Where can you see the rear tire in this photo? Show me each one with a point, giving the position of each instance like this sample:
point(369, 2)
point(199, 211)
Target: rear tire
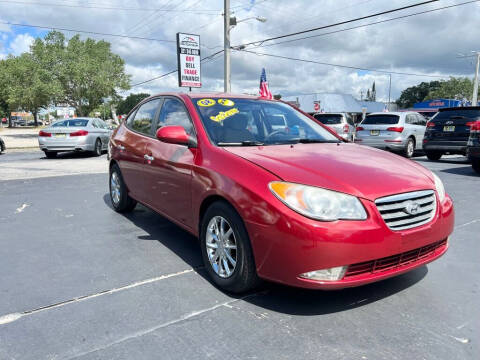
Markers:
point(409, 148)
point(119, 197)
point(476, 165)
point(51, 154)
point(97, 150)
point(433, 155)
point(243, 276)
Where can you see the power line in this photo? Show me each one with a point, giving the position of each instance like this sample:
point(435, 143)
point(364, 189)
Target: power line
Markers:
point(365, 25)
point(209, 57)
point(205, 12)
point(341, 66)
point(338, 23)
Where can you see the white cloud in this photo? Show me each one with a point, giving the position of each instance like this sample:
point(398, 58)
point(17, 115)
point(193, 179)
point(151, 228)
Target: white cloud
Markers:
point(21, 44)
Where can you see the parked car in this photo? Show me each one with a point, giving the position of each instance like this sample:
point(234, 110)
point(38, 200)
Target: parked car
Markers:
point(79, 134)
point(32, 123)
point(449, 130)
point(401, 132)
point(473, 145)
point(342, 123)
point(310, 211)
point(2, 146)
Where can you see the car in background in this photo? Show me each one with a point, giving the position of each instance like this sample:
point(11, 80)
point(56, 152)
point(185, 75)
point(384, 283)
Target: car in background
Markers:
point(2, 146)
point(473, 146)
point(400, 132)
point(78, 134)
point(303, 208)
point(449, 130)
point(342, 123)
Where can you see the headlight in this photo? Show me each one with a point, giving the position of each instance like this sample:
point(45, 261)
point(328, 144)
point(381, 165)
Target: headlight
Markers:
point(318, 203)
point(440, 188)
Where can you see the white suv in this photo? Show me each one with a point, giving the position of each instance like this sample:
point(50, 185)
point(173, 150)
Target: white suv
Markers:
point(397, 131)
point(342, 123)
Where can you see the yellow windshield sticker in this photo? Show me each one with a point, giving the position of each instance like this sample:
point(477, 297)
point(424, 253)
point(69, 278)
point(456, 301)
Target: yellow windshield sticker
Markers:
point(226, 102)
point(206, 102)
point(222, 115)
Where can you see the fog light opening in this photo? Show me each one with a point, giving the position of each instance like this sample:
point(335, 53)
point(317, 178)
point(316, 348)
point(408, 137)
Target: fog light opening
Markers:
point(331, 274)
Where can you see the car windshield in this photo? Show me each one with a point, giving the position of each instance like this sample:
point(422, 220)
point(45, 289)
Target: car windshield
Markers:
point(328, 119)
point(249, 122)
point(381, 120)
point(71, 123)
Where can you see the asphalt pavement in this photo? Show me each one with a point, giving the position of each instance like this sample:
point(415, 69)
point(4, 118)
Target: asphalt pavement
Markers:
point(79, 281)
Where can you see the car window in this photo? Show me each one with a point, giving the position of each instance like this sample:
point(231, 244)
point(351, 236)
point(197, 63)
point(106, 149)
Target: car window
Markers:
point(467, 113)
point(71, 123)
point(246, 122)
point(142, 122)
point(410, 119)
point(381, 120)
point(173, 112)
point(95, 123)
point(328, 119)
point(421, 120)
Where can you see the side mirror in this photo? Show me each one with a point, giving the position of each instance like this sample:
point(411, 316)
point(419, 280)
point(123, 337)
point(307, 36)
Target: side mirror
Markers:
point(174, 134)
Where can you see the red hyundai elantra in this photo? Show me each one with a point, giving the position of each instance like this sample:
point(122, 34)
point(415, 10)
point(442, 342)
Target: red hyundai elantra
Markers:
point(273, 194)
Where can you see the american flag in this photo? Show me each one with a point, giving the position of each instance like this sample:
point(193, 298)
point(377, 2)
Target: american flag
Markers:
point(264, 91)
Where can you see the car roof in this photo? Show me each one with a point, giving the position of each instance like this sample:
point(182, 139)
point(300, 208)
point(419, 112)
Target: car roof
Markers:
point(201, 95)
point(331, 113)
point(398, 113)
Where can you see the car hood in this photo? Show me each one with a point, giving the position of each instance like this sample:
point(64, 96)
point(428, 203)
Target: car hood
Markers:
point(345, 167)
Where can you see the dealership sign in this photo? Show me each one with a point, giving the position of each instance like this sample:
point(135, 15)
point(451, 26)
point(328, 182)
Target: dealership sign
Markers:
point(188, 59)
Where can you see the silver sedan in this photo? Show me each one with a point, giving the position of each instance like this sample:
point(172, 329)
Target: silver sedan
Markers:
point(78, 134)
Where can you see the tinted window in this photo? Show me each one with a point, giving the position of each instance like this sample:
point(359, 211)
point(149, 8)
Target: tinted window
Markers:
point(247, 122)
point(467, 113)
point(329, 119)
point(72, 122)
point(381, 120)
point(421, 120)
point(142, 122)
point(174, 113)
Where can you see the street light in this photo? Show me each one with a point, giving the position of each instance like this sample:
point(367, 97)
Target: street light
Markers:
point(229, 23)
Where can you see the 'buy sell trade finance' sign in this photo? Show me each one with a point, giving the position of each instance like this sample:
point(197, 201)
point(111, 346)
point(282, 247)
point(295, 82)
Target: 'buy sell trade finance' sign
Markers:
point(188, 56)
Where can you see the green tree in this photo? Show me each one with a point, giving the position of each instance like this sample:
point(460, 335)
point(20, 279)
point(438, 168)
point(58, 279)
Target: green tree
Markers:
point(126, 105)
point(87, 70)
point(104, 109)
point(454, 88)
point(416, 93)
point(29, 86)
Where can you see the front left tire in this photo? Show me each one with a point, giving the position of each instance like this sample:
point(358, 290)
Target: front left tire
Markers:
point(476, 165)
point(226, 249)
point(119, 197)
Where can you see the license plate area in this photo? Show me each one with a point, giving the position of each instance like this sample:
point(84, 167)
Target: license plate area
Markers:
point(449, 128)
point(374, 132)
point(60, 135)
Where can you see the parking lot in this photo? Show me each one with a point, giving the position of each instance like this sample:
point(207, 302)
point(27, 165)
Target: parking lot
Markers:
point(80, 281)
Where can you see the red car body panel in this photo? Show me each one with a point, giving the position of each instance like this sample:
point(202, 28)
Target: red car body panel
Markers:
point(181, 181)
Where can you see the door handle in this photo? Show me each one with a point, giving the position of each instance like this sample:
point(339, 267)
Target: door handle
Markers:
point(148, 157)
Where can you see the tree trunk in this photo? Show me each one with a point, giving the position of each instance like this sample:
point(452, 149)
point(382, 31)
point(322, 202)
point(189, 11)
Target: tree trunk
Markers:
point(10, 125)
point(35, 118)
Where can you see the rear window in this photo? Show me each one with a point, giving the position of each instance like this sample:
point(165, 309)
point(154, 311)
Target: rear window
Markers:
point(71, 123)
point(460, 113)
point(328, 119)
point(381, 120)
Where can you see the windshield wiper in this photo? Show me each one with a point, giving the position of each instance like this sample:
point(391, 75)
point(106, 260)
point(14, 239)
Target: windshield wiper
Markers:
point(241, 143)
point(313, 141)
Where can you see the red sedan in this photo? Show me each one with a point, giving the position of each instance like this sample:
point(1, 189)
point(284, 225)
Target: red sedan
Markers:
point(273, 194)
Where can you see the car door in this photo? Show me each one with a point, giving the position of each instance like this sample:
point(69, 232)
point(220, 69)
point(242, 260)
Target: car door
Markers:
point(105, 133)
point(169, 174)
point(421, 125)
point(131, 141)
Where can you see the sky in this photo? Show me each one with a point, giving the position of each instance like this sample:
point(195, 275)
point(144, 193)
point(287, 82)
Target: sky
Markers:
point(424, 44)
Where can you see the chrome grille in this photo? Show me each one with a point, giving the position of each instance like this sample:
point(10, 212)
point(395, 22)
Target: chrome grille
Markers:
point(407, 210)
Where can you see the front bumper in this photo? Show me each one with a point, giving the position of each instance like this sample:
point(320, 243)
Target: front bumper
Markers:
point(295, 245)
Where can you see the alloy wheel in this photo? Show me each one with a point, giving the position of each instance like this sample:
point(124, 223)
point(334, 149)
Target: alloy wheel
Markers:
point(115, 188)
point(221, 246)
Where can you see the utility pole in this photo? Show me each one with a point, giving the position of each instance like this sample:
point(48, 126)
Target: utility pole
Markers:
point(475, 82)
point(226, 53)
point(389, 89)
